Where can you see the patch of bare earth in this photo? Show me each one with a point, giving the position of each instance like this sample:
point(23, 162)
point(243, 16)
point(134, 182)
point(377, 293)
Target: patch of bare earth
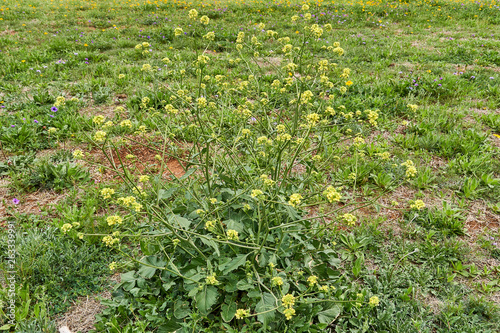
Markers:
point(107, 111)
point(144, 160)
point(32, 203)
point(480, 219)
point(81, 315)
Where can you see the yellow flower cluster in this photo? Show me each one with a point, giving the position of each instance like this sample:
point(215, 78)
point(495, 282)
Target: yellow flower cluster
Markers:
point(312, 119)
point(232, 235)
point(178, 31)
point(204, 19)
point(131, 202)
point(110, 240)
point(276, 281)
point(100, 136)
point(242, 313)
point(267, 181)
point(193, 14)
point(418, 204)
point(295, 199)
point(372, 117)
point(332, 194)
point(66, 227)
point(78, 154)
point(374, 301)
point(413, 107)
point(288, 302)
point(98, 120)
point(211, 279)
point(143, 178)
point(349, 219)
point(411, 170)
point(107, 193)
point(210, 36)
point(210, 225)
point(264, 140)
point(126, 123)
point(289, 313)
point(312, 280)
point(60, 100)
point(114, 219)
point(256, 193)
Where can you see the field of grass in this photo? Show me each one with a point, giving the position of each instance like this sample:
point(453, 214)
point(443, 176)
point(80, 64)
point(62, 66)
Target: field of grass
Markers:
point(249, 166)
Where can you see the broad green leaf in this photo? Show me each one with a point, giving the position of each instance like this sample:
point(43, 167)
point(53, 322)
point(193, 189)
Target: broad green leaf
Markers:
point(228, 312)
point(179, 220)
point(212, 244)
point(181, 309)
point(266, 303)
point(5, 327)
point(329, 316)
point(235, 263)
point(166, 194)
point(128, 277)
point(188, 173)
point(206, 298)
point(171, 326)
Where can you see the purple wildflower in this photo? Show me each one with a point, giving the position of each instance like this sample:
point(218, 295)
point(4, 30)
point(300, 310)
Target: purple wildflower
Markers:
point(53, 109)
point(15, 201)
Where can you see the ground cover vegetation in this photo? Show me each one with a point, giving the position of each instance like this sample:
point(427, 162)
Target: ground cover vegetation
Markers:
point(251, 166)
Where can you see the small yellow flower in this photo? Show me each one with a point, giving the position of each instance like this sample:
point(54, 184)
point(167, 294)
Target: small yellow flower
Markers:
point(211, 279)
point(295, 199)
point(374, 301)
point(213, 201)
point(78, 154)
point(418, 204)
point(66, 227)
point(349, 219)
point(256, 193)
point(143, 178)
point(110, 240)
point(146, 68)
point(107, 193)
point(232, 235)
point(121, 76)
point(288, 300)
point(313, 279)
point(413, 107)
point(332, 194)
point(98, 120)
point(193, 14)
point(100, 136)
point(114, 219)
point(313, 118)
point(210, 225)
point(289, 313)
point(242, 313)
point(411, 171)
point(348, 83)
point(204, 19)
point(113, 266)
point(276, 281)
point(323, 288)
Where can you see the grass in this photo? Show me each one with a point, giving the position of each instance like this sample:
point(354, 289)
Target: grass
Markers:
point(95, 95)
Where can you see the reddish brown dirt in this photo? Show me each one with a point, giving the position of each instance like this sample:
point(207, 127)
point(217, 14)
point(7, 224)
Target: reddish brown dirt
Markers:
point(144, 160)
